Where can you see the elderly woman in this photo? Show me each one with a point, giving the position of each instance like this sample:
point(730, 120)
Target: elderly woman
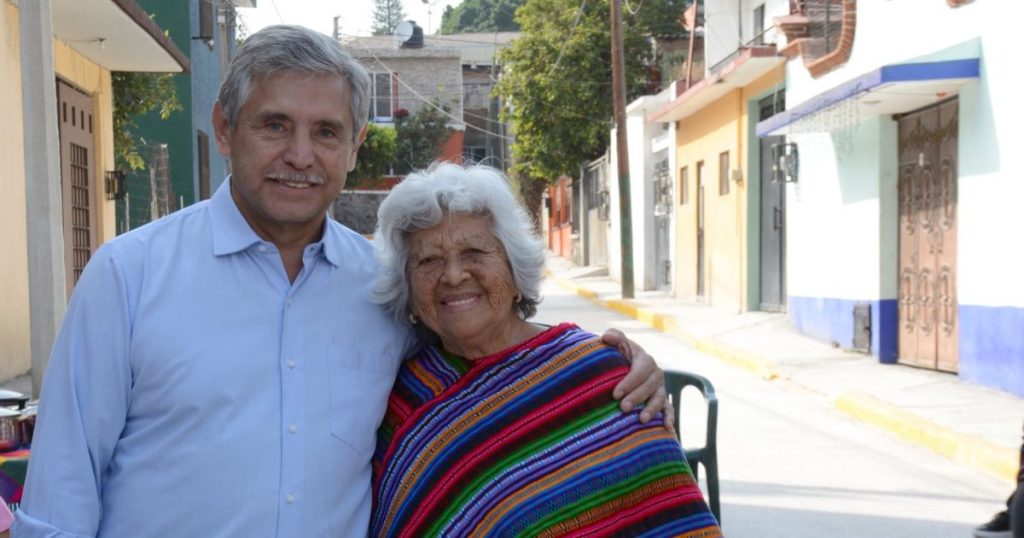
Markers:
point(501, 426)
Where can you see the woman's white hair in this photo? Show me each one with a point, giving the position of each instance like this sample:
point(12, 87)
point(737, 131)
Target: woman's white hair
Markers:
point(424, 198)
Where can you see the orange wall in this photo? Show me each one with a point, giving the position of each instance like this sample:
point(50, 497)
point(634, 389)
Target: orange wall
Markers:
point(722, 126)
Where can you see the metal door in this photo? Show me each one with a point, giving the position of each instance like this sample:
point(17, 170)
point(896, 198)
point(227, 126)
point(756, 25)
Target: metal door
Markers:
point(662, 215)
point(78, 184)
point(595, 179)
point(773, 215)
point(927, 216)
point(773, 233)
point(700, 229)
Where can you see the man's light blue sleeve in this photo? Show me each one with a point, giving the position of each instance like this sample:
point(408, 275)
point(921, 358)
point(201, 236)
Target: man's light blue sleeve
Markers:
point(82, 410)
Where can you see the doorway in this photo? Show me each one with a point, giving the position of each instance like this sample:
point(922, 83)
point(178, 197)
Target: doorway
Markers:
point(77, 178)
point(929, 325)
point(773, 216)
point(700, 230)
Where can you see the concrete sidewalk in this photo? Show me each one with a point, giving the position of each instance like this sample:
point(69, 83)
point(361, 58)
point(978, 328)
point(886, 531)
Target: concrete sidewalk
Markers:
point(970, 424)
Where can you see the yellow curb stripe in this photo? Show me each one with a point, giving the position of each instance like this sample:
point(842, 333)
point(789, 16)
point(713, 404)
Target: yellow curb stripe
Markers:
point(667, 324)
point(967, 449)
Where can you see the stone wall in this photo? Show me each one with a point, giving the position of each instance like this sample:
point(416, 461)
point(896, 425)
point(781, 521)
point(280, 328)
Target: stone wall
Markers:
point(358, 209)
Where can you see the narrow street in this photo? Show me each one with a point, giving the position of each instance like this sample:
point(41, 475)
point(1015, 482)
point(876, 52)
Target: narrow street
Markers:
point(791, 466)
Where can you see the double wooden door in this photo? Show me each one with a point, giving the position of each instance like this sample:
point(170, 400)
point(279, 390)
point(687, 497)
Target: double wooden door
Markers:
point(929, 326)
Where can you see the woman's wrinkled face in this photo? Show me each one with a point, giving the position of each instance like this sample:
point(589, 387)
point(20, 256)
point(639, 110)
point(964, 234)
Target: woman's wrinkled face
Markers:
point(461, 284)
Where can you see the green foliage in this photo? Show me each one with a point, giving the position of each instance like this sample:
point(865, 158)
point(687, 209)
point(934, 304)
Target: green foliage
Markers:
point(387, 15)
point(376, 155)
point(136, 94)
point(481, 16)
point(419, 138)
point(558, 82)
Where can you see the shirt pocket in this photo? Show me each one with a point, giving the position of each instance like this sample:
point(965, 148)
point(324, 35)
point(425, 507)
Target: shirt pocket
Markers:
point(359, 382)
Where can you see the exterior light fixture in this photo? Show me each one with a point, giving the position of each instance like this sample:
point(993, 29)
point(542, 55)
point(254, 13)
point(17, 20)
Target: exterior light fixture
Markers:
point(785, 162)
point(114, 183)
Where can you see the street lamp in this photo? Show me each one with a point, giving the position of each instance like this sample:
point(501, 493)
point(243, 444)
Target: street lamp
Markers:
point(430, 7)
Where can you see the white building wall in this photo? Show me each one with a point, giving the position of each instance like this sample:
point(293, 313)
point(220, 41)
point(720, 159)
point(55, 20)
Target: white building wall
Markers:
point(730, 25)
point(835, 215)
point(990, 167)
point(642, 158)
point(842, 215)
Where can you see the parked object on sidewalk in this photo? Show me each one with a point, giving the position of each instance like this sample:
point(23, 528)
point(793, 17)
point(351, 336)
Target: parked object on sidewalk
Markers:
point(10, 429)
point(998, 527)
point(10, 398)
point(706, 455)
point(1010, 522)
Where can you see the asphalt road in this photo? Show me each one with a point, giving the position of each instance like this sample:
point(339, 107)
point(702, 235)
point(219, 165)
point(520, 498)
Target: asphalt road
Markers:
point(791, 466)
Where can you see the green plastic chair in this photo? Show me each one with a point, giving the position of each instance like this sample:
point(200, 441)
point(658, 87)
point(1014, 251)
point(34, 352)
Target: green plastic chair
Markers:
point(706, 455)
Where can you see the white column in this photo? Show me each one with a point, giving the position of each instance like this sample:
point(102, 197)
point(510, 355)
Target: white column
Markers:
point(42, 183)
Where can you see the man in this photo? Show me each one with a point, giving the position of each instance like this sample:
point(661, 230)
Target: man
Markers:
point(221, 372)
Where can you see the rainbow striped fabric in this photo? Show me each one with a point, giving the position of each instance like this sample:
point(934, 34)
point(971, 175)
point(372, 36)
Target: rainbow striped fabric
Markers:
point(528, 442)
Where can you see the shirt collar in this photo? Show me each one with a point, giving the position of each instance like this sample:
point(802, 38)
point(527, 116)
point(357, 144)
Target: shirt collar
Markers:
point(232, 233)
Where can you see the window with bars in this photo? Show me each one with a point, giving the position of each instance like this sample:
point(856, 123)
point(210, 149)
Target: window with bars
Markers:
point(684, 185)
point(723, 173)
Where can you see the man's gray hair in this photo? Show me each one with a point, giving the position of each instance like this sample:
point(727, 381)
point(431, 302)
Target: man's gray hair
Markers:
point(292, 49)
point(424, 198)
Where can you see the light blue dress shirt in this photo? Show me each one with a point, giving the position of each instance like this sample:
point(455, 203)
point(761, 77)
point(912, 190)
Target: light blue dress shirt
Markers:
point(194, 391)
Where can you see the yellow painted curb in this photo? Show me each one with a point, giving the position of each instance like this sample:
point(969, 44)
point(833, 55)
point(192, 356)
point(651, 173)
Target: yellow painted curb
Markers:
point(667, 324)
point(738, 357)
point(971, 450)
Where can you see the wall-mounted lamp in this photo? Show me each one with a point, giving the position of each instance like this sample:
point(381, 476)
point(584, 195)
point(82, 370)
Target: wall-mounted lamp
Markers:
point(785, 163)
point(114, 183)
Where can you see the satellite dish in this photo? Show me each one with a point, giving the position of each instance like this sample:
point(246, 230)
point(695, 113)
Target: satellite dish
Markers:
point(403, 32)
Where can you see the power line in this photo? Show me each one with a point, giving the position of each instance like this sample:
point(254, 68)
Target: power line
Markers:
point(565, 45)
point(433, 105)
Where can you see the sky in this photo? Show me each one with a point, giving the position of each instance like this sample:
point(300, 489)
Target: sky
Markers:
point(356, 15)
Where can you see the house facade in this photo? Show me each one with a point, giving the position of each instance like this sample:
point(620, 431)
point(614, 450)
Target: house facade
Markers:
point(652, 158)
point(907, 182)
point(56, 60)
point(183, 164)
point(409, 73)
point(729, 247)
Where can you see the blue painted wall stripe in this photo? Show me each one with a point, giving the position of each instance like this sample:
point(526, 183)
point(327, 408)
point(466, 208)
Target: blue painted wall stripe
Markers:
point(831, 320)
point(992, 346)
point(889, 74)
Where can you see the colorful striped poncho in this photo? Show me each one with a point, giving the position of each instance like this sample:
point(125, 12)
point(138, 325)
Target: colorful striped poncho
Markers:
point(528, 442)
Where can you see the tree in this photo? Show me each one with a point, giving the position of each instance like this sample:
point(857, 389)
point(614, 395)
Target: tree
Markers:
point(387, 15)
point(481, 16)
point(376, 155)
point(419, 138)
point(557, 82)
point(136, 94)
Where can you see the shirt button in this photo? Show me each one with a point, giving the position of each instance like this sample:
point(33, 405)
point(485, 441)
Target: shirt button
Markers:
point(290, 498)
point(288, 302)
point(293, 428)
point(291, 363)
point(263, 248)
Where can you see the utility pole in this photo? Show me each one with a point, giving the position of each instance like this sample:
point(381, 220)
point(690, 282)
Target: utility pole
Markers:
point(622, 151)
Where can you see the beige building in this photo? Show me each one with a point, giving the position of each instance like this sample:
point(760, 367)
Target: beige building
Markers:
point(56, 59)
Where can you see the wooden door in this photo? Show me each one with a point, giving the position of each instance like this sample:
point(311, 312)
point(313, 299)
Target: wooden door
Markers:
point(928, 335)
point(77, 177)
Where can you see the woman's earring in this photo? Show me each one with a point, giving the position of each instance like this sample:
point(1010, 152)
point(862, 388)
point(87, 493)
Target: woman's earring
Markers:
point(518, 298)
point(413, 319)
